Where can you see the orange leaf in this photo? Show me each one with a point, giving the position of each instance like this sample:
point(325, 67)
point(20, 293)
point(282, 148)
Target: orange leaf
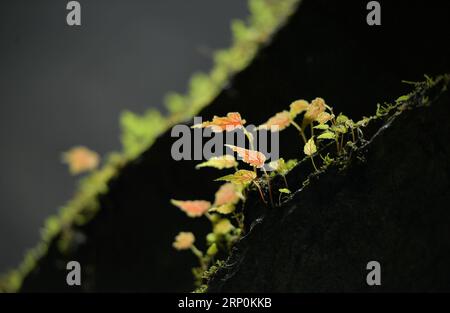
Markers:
point(324, 117)
point(252, 157)
point(81, 159)
point(184, 241)
point(317, 107)
point(194, 208)
point(298, 107)
point(227, 194)
point(281, 120)
point(218, 124)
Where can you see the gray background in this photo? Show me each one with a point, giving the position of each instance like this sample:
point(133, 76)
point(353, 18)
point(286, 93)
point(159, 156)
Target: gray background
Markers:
point(62, 86)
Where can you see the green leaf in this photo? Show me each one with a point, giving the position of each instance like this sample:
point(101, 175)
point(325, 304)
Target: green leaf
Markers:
point(284, 190)
point(402, 98)
point(224, 209)
point(211, 238)
point(339, 129)
point(226, 161)
point(322, 126)
point(212, 250)
point(327, 159)
point(310, 147)
point(241, 177)
point(327, 135)
point(341, 119)
point(222, 227)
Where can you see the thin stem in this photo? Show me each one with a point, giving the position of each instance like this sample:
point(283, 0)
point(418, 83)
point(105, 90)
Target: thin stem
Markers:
point(260, 192)
point(314, 164)
point(197, 252)
point(312, 129)
point(300, 130)
point(285, 181)
point(200, 257)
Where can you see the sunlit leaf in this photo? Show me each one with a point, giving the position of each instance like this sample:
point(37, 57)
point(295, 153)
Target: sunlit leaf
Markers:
point(284, 190)
point(194, 208)
point(402, 98)
point(310, 147)
point(339, 129)
point(211, 238)
point(224, 208)
point(363, 122)
point(277, 164)
point(221, 162)
point(227, 194)
point(327, 159)
point(252, 157)
point(232, 121)
point(298, 107)
point(222, 227)
point(241, 177)
point(341, 119)
point(282, 167)
point(327, 135)
point(322, 126)
point(81, 159)
point(324, 117)
point(184, 241)
point(278, 122)
point(212, 250)
point(316, 107)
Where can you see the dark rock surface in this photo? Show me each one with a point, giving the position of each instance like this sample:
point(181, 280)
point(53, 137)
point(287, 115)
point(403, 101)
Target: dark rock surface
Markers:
point(391, 207)
point(325, 50)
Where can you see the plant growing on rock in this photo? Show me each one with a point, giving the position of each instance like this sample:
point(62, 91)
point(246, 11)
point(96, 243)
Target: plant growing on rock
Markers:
point(316, 125)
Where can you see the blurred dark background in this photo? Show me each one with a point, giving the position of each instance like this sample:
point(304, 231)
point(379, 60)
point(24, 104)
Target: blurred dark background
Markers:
point(62, 86)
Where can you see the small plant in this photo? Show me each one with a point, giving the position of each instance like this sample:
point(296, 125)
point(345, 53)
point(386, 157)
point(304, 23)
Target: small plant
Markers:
point(282, 168)
point(281, 192)
point(309, 149)
point(81, 159)
point(317, 125)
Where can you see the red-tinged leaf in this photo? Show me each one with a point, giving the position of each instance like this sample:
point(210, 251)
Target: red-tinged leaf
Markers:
point(227, 194)
point(252, 157)
point(278, 122)
point(81, 159)
point(194, 208)
point(317, 107)
point(184, 241)
point(231, 122)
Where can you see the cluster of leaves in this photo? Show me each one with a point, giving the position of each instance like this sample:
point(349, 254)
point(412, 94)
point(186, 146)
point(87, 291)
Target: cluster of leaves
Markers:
point(317, 117)
point(140, 131)
point(317, 125)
